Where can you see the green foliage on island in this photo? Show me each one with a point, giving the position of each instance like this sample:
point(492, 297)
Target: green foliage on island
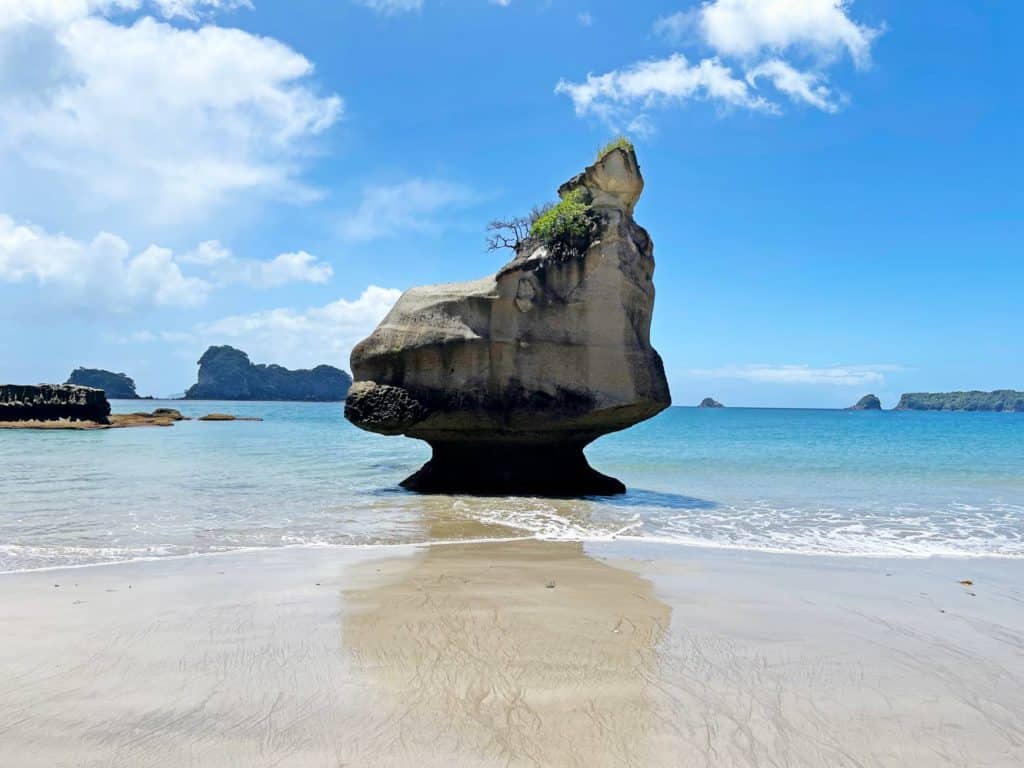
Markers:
point(999, 400)
point(619, 142)
point(117, 386)
point(568, 226)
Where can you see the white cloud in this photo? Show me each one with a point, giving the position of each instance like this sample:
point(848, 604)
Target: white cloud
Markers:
point(149, 121)
point(225, 268)
point(650, 83)
point(193, 9)
point(389, 7)
point(807, 87)
point(758, 39)
point(301, 338)
point(101, 274)
point(387, 210)
point(834, 375)
point(585, 18)
point(746, 28)
point(104, 275)
point(392, 7)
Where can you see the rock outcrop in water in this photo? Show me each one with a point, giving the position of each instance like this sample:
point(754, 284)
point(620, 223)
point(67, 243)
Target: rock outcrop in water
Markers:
point(509, 377)
point(710, 402)
point(867, 403)
point(226, 373)
point(52, 402)
point(116, 386)
point(999, 400)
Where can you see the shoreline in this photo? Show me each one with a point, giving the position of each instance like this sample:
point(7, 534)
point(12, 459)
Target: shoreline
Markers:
point(514, 653)
point(683, 547)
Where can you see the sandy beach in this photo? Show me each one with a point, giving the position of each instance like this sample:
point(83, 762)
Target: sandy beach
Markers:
point(514, 653)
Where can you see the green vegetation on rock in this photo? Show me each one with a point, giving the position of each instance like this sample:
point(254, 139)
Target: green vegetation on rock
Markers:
point(117, 386)
point(619, 142)
point(568, 226)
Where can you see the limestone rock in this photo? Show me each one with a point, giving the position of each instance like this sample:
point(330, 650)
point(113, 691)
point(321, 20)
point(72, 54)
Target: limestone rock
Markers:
point(710, 402)
point(226, 373)
point(509, 377)
point(867, 403)
point(53, 402)
point(116, 386)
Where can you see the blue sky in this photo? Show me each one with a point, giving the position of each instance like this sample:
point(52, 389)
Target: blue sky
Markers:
point(833, 188)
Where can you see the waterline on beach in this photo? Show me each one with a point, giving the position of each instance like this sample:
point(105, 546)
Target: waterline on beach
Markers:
point(802, 482)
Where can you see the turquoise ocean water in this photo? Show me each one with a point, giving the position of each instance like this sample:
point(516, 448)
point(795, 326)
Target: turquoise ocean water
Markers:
point(804, 481)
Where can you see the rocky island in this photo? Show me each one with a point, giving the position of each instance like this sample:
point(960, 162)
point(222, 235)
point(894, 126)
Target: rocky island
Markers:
point(710, 402)
point(511, 376)
point(867, 403)
point(1008, 400)
point(226, 373)
point(116, 386)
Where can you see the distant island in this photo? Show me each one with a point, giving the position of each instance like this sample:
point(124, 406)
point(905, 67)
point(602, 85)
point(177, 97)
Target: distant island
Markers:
point(116, 386)
point(226, 373)
point(710, 402)
point(867, 403)
point(999, 400)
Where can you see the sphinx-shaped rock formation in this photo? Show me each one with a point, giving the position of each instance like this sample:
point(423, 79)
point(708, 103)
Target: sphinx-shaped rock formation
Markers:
point(509, 377)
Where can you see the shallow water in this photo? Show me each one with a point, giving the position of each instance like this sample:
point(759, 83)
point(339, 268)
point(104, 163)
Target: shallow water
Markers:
point(804, 481)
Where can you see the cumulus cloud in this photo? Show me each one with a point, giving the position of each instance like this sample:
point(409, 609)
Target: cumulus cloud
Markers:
point(226, 268)
point(105, 275)
point(153, 121)
point(102, 273)
point(292, 337)
point(408, 206)
point(787, 44)
point(833, 375)
point(747, 28)
point(650, 83)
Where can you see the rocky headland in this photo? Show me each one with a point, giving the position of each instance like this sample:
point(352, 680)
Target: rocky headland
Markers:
point(710, 402)
point(867, 403)
point(226, 373)
point(511, 376)
point(116, 386)
point(999, 400)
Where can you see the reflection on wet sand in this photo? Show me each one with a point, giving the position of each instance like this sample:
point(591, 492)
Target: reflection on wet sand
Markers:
point(512, 653)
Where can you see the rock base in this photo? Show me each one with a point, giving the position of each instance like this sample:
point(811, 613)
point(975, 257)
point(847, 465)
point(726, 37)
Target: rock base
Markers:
point(486, 469)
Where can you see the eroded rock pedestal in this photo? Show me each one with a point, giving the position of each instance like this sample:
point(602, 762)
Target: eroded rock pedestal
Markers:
point(510, 377)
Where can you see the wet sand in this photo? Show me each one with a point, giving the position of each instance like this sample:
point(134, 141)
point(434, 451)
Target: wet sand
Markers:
point(516, 653)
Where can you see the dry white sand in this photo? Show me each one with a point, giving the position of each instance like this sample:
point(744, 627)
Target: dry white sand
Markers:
point(523, 653)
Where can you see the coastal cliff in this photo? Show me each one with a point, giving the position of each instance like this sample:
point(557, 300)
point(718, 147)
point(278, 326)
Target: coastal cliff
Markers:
point(509, 377)
point(52, 402)
point(116, 386)
point(226, 373)
point(999, 400)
